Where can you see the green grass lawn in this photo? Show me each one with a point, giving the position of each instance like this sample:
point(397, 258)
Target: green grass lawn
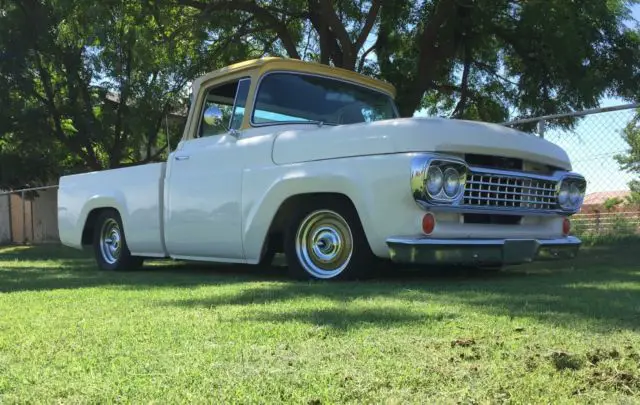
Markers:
point(545, 333)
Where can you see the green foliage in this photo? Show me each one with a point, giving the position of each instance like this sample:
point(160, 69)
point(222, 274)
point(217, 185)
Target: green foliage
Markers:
point(628, 236)
point(481, 59)
point(474, 59)
point(611, 203)
point(622, 226)
point(93, 85)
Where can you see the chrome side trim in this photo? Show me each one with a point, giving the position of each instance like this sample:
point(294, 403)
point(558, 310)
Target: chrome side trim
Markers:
point(426, 241)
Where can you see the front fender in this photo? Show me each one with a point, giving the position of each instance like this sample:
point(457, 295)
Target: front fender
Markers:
point(260, 204)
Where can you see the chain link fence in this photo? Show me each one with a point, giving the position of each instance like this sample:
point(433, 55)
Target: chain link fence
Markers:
point(592, 144)
point(30, 215)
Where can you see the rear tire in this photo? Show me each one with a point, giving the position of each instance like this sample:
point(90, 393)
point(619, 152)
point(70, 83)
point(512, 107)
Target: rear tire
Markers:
point(110, 244)
point(325, 240)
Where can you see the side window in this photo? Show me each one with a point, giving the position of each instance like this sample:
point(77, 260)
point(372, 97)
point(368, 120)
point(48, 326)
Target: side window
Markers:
point(230, 98)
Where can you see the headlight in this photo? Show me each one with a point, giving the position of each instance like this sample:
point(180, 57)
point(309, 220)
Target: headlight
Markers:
point(452, 182)
point(434, 180)
point(563, 195)
point(571, 193)
point(438, 180)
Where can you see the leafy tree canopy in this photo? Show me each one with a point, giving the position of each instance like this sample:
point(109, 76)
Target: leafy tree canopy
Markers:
point(94, 85)
point(478, 59)
point(87, 85)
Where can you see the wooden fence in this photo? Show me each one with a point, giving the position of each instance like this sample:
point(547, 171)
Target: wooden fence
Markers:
point(614, 222)
point(29, 216)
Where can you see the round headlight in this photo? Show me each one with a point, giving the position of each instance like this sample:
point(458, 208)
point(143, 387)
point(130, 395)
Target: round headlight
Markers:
point(574, 195)
point(563, 195)
point(451, 182)
point(434, 180)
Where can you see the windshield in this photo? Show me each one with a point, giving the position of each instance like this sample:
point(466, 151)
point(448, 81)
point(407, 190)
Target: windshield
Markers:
point(297, 97)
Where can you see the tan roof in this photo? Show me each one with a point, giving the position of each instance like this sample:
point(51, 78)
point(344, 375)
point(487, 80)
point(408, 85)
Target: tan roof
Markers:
point(275, 63)
point(600, 197)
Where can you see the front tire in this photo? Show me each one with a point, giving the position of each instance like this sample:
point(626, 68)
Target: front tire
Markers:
point(325, 241)
point(110, 244)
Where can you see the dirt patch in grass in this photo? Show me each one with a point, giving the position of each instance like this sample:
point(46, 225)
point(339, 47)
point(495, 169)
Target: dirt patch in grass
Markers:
point(562, 360)
point(614, 380)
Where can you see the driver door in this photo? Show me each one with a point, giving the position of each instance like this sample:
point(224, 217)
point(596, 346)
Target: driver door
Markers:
point(203, 181)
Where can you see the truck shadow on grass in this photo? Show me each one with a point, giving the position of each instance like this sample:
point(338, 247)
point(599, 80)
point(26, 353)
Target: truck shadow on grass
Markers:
point(601, 286)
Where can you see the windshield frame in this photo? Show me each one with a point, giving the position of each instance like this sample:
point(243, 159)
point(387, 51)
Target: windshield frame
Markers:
point(254, 100)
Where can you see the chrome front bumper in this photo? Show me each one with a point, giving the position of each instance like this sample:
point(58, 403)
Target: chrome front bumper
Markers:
point(423, 250)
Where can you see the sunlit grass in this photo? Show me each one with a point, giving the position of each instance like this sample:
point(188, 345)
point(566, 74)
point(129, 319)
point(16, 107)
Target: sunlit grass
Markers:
point(545, 333)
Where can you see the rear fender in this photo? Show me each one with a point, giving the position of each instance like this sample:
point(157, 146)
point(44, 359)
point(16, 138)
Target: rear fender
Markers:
point(114, 200)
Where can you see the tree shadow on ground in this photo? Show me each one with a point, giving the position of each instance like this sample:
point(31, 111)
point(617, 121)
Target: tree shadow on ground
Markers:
point(50, 267)
point(344, 319)
point(601, 286)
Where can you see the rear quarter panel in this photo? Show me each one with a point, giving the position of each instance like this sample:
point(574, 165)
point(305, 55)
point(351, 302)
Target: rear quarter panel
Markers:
point(136, 192)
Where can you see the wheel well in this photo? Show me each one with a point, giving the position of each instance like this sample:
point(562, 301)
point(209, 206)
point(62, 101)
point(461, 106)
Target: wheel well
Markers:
point(274, 235)
point(89, 225)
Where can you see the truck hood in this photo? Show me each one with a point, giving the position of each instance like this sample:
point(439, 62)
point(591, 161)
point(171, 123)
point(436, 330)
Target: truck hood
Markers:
point(414, 135)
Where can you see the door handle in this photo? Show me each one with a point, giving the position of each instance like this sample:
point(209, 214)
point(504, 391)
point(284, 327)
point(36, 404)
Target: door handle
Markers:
point(182, 157)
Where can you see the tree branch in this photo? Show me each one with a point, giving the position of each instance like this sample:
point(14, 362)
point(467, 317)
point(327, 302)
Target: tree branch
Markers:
point(462, 103)
point(262, 14)
point(372, 15)
point(491, 70)
point(364, 57)
point(337, 28)
point(436, 43)
point(306, 47)
point(125, 82)
point(152, 136)
point(88, 155)
point(326, 39)
point(33, 12)
point(149, 159)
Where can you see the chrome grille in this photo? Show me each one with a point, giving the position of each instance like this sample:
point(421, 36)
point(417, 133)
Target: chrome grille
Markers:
point(499, 190)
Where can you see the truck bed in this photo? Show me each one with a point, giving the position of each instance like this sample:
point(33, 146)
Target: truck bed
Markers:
point(136, 192)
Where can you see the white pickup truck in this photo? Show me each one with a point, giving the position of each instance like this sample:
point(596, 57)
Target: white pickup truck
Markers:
point(280, 155)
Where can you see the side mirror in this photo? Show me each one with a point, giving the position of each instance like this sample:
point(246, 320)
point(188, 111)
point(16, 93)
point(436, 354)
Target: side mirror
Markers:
point(212, 115)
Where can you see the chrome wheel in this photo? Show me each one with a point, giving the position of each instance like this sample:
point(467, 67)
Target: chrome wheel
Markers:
point(324, 244)
point(110, 241)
